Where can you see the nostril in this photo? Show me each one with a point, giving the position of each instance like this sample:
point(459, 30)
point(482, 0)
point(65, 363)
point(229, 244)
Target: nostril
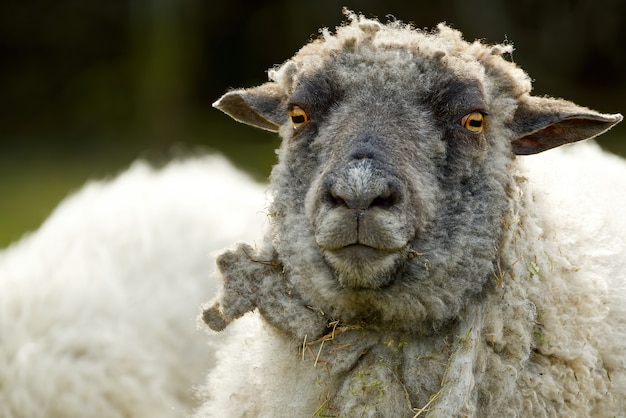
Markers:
point(334, 199)
point(331, 195)
point(363, 155)
point(385, 201)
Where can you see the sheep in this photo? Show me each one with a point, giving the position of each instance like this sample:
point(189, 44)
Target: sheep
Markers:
point(98, 306)
point(419, 261)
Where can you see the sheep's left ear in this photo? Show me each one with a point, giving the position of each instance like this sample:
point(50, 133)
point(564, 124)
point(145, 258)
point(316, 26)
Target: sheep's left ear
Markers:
point(542, 123)
point(262, 107)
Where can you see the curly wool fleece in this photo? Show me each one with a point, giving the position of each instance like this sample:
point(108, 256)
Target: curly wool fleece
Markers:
point(98, 304)
point(415, 263)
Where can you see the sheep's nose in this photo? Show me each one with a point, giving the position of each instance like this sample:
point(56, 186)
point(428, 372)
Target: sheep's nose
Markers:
point(361, 188)
point(381, 197)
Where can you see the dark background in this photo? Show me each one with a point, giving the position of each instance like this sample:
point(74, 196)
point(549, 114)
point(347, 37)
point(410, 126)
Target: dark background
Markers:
point(87, 86)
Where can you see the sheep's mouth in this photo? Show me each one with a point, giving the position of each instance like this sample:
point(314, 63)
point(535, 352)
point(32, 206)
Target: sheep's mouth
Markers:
point(359, 266)
point(359, 252)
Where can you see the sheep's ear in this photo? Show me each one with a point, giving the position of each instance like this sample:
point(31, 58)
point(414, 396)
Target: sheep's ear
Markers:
point(542, 123)
point(263, 106)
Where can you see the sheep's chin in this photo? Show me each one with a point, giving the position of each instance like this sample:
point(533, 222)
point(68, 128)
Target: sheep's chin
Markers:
point(362, 267)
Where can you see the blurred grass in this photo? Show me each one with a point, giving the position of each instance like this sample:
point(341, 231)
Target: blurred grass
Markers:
point(33, 182)
point(31, 187)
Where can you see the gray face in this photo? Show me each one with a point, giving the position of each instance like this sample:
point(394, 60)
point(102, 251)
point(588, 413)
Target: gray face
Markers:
point(375, 157)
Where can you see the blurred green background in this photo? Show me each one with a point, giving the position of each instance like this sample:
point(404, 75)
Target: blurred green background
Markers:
point(87, 86)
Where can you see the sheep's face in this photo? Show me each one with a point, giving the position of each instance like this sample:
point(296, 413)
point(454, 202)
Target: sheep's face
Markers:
point(373, 148)
point(391, 192)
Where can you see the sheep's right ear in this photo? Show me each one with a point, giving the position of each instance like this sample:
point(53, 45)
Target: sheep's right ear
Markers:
point(542, 123)
point(264, 106)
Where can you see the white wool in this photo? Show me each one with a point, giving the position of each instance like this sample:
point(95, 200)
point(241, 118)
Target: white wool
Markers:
point(579, 195)
point(98, 307)
point(586, 190)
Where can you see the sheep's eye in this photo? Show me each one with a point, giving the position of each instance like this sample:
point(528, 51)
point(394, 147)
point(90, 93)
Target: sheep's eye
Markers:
point(474, 122)
point(298, 116)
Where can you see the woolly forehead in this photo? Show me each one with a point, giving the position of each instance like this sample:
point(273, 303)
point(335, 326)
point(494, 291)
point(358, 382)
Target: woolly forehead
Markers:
point(393, 55)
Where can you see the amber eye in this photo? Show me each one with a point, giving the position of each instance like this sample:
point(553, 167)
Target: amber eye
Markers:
point(474, 122)
point(298, 116)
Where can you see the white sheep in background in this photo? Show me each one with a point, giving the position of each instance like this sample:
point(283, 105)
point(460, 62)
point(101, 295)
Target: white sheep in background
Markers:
point(98, 307)
point(415, 265)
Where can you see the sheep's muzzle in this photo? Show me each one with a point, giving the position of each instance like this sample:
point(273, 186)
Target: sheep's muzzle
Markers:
point(359, 224)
